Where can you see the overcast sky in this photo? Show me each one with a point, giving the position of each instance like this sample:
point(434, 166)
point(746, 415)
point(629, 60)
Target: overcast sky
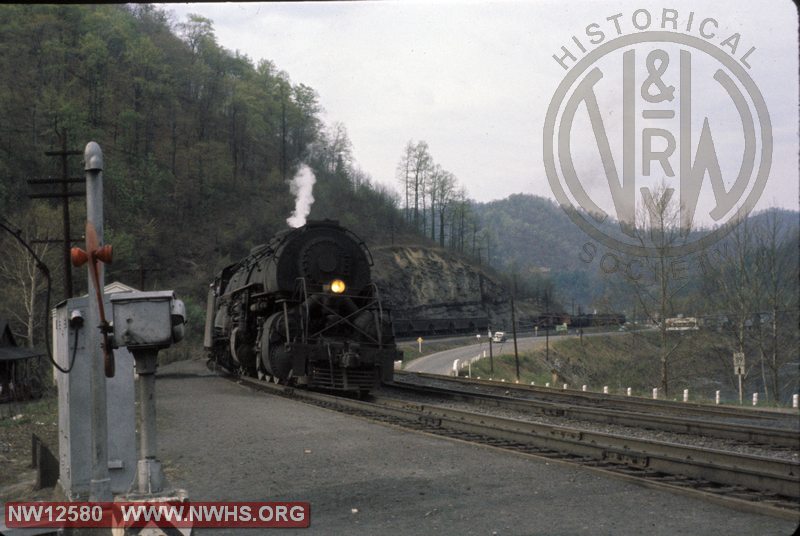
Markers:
point(474, 79)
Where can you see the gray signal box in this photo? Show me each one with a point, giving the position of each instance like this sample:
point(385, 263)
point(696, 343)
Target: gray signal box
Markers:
point(144, 320)
point(75, 405)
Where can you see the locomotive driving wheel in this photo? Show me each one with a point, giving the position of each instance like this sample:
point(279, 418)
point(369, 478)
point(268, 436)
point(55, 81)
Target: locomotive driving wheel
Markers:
point(243, 352)
point(275, 359)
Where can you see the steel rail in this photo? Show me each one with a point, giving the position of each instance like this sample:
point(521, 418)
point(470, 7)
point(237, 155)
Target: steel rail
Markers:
point(761, 435)
point(718, 466)
point(754, 483)
point(620, 401)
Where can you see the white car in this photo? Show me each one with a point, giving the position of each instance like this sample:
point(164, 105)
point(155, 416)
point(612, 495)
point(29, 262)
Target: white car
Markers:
point(499, 336)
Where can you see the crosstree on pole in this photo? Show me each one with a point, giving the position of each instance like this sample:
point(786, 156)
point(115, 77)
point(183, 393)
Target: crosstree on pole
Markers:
point(65, 180)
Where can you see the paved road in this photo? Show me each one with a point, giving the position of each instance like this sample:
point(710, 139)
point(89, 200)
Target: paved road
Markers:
point(442, 362)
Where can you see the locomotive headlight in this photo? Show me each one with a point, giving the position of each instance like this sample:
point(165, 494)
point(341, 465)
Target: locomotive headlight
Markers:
point(337, 286)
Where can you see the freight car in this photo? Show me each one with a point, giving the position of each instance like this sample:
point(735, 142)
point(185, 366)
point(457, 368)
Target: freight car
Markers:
point(593, 320)
point(302, 310)
point(408, 327)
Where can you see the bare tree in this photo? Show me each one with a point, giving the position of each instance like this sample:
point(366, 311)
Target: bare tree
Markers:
point(423, 162)
point(338, 151)
point(657, 227)
point(23, 282)
point(446, 190)
point(404, 168)
point(441, 184)
point(777, 267)
point(459, 217)
point(434, 179)
point(738, 286)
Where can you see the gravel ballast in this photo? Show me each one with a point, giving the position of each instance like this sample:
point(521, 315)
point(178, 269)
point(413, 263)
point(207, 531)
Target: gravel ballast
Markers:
point(222, 441)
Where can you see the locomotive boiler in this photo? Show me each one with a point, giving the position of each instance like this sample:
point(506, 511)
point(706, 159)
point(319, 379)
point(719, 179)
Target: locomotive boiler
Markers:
point(302, 310)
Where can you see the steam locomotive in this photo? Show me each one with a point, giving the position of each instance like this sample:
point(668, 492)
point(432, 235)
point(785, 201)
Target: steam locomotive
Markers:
point(302, 310)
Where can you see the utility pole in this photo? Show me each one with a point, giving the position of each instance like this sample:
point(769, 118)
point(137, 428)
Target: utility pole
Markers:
point(491, 357)
point(514, 324)
point(65, 180)
point(547, 326)
point(633, 333)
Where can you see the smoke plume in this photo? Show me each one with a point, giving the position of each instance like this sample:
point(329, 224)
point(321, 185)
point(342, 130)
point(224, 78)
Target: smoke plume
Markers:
point(301, 186)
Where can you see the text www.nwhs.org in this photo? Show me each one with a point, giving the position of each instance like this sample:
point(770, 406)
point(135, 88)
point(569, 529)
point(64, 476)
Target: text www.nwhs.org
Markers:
point(158, 514)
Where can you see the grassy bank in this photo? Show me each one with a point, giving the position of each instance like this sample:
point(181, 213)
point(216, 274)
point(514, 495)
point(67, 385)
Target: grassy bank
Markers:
point(700, 363)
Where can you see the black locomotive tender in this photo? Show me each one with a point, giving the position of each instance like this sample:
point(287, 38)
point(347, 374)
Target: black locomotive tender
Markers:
point(303, 310)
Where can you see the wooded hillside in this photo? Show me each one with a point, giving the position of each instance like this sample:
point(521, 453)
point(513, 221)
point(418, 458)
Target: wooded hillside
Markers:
point(199, 142)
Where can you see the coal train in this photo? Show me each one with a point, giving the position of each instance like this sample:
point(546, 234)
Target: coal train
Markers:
point(302, 310)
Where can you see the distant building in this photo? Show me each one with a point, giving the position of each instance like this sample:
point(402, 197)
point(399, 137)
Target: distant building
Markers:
point(116, 286)
point(682, 324)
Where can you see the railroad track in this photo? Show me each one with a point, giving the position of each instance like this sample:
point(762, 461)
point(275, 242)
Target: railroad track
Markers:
point(769, 417)
point(745, 482)
point(757, 436)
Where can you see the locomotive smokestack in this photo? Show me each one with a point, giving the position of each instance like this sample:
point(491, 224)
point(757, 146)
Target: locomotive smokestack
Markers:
point(301, 186)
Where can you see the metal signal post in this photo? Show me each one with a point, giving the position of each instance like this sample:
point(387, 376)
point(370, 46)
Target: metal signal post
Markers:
point(100, 486)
